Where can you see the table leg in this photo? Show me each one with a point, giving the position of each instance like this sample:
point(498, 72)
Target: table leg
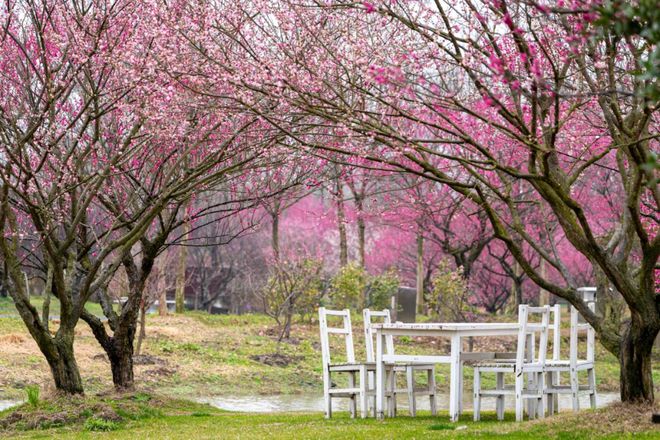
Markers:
point(461, 387)
point(455, 380)
point(531, 403)
point(380, 375)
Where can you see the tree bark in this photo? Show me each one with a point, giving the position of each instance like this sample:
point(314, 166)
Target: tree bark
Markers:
point(635, 361)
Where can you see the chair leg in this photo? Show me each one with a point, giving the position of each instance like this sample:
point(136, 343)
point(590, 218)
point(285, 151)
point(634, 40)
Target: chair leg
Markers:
point(575, 390)
point(555, 396)
point(550, 401)
point(531, 403)
point(461, 388)
point(519, 397)
point(328, 405)
point(499, 402)
point(410, 381)
point(592, 387)
point(540, 404)
point(364, 401)
point(477, 394)
point(372, 386)
point(432, 391)
point(326, 395)
point(391, 401)
point(352, 407)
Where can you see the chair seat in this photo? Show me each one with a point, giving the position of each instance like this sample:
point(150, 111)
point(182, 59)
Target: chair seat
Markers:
point(506, 365)
point(415, 366)
point(566, 389)
point(370, 366)
point(565, 365)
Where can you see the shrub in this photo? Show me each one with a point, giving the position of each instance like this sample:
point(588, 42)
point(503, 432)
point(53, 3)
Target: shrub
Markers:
point(32, 392)
point(449, 299)
point(380, 289)
point(348, 287)
point(294, 287)
point(354, 288)
point(100, 425)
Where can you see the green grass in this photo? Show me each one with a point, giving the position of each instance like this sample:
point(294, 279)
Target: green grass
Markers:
point(178, 419)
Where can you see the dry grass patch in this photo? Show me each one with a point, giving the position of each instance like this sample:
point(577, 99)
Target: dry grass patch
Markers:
point(619, 417)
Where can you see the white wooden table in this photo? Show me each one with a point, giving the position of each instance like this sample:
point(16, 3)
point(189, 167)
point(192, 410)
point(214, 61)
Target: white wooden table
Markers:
point(455, 332)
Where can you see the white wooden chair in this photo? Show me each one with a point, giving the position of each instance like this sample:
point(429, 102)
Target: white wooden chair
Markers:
point(526, 362)
point(354, 391)
point(409, 368)
point(573, 365)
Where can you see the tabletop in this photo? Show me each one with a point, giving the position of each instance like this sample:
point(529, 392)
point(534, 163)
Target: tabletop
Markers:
point(448, 326)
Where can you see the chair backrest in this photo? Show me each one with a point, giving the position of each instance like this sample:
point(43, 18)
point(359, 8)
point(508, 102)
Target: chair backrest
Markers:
point(576, 328)
point(344, 330)
point(527, 333)
point(369, 332)
point(555, 318)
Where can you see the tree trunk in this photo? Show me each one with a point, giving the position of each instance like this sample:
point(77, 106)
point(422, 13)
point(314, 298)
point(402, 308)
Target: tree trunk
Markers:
point(4, 281)
point(361, 241)
point(63, 365)
point(27, 285)
point(544, 295)
point(143, 332)
point(635, 360)
point(275, 230)
point(45, 311)
point(518, 293)
point(361, 230)
point(57, 350)
point(341, 225)
point(180, 293)
point(121, 363)
point(420, 273)
point(162, 303)
point(119, 346)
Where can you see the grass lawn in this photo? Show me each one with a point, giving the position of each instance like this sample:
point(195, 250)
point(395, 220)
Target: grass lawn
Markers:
point(142, 416)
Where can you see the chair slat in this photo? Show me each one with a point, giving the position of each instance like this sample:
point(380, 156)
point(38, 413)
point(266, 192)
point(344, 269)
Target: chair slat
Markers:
point(338, 331)
point(335, 312)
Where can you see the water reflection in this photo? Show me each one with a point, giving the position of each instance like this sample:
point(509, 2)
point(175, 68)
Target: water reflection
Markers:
point(313, 402)
point(4, 404)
